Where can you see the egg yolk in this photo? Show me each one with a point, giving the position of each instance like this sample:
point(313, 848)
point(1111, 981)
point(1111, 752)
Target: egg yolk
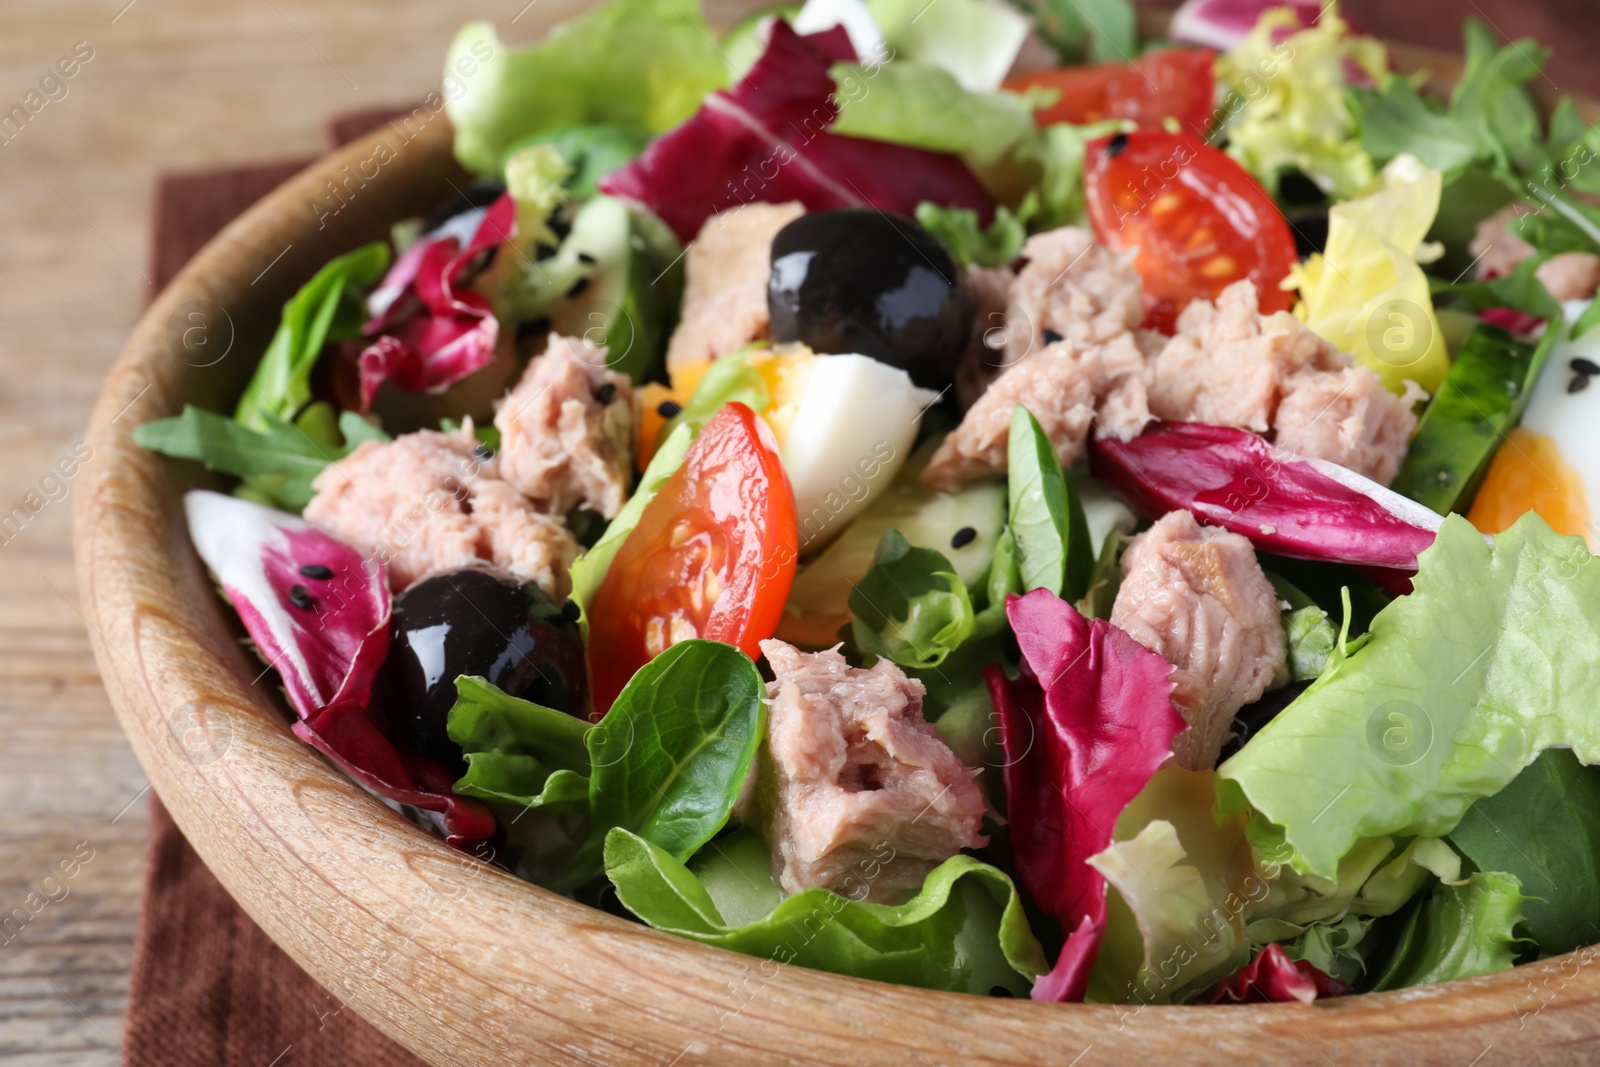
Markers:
point(783, 372)
point(1528, 473)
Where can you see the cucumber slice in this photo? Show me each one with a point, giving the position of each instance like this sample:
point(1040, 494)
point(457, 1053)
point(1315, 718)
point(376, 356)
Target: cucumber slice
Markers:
point(610, 298)
point(925, 518)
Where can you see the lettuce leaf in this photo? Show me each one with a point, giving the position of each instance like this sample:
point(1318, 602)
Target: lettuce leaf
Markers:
point(1101, 31)
point(975, 40)
point(969, 242)
point(1460, 931)
point(911, 607)
point(1307, 629)
point(1493, 658)
point(644, 64)
point(1544, 828)
point(330, 307)
point(965, 931)
point(1291, 113)
point(518, 752)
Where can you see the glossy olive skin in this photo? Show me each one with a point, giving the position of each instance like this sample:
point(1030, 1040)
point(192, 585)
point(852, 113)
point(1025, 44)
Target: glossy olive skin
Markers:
point(861, 280)
point(474, 622)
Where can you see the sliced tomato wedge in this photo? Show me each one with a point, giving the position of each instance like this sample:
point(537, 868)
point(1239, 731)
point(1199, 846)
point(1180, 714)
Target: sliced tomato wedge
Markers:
point(1196, 221)
point(1176, 83)
point(713, 556)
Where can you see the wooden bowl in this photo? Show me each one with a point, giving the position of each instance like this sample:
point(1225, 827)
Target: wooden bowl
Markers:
point(464, 964)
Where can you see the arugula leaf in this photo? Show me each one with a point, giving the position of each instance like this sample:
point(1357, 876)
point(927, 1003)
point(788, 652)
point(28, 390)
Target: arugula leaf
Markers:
point(1482, 397)
point(965, 931)
point(1101, 31)
point(357, 430)
point(276, 463)
point(1458, 932)
point(1047, 521)
point(1308, 630)
point(1521, 290)
point(518, 752)
point(1494, 657)
point(670, 757)
point(969, 242)
point(1544, 828)
point(330, 307)
point(911, 607)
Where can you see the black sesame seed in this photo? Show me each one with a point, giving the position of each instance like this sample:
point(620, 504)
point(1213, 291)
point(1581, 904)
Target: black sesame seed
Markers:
point(668, 410)
point(300, 597)
point(1117, 145)
point(606, 393)
point(570, 610)
point(482, 451)
point(578, 287)
point(1579, 383)
point(532, 328)
point(317, 571)
point(1051, 337)
point(963, 537)
point(1585, 366)
point(584, 257)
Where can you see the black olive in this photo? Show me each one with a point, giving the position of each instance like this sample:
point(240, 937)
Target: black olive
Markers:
point(474, 622)
point(859, 280)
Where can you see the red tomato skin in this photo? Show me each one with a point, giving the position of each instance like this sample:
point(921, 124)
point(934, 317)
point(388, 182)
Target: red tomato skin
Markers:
point(1177, 83)
point(724, 519)
point(1195, 220)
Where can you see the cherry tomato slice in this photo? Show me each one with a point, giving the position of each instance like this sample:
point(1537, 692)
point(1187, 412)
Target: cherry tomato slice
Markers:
point(1196, 221)
point(713, 556)
point(1177, 83)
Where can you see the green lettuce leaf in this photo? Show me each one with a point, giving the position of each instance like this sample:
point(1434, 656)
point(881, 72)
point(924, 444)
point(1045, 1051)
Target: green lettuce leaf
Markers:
point(536, 178)
point(1493, 658)
point(1458, 932)
point(330, 307)
point(969, 242)
point(670, 757)
point(591, 150)
point(911, 607)
point(518, 752)
point(914, 104)
point(1047, 520)
point(1544, 828)
point(1101, 31)
point(975, 40)
point(965, 931)
point(1308, 630)
point(643, 64)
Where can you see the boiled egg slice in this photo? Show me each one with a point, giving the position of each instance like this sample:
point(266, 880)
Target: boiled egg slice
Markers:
point(1551, 463)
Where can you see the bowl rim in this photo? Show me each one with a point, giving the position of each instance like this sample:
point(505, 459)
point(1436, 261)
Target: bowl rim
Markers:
point(463, 963)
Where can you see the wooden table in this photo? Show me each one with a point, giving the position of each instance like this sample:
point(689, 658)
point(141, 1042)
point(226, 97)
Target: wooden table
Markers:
point(170, 84)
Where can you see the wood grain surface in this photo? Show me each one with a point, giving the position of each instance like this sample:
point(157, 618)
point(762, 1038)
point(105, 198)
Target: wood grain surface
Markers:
point(182, 84)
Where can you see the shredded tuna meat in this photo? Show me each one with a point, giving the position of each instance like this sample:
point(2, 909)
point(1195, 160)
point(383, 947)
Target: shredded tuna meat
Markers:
point(1498, 249)
point(857, 793)
point(566, 430)
point(1570, 275)
point(1070, 287)
point(1230, 365)
point(1196, 596)
point(428, 502)
point(989, 291)
point(726, 270)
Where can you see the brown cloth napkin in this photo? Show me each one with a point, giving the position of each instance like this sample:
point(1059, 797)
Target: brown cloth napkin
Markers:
point(209, 988)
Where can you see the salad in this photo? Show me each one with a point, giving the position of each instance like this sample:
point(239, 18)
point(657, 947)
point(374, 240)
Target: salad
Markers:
point(962, 496)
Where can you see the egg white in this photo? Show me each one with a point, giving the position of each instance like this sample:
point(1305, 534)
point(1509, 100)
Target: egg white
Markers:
point(1571, 419)
point(850, 433)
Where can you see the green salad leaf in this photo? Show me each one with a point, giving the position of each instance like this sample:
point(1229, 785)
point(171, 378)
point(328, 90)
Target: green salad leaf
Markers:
point(590, 150)
point(330, 307)
point(643, 64)
point(1047, 520)
point(276, 463)
point(518, 752)
point(1482, 397)
point(1456, 688)
point(1544, 828)
point(910, 103)
point(965, 931)
point(1101, 31)
point(976, 41)
point(1459, 931)
point(911, 607)
point(671, 756)
point(1307, 629)
point(968, 242)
